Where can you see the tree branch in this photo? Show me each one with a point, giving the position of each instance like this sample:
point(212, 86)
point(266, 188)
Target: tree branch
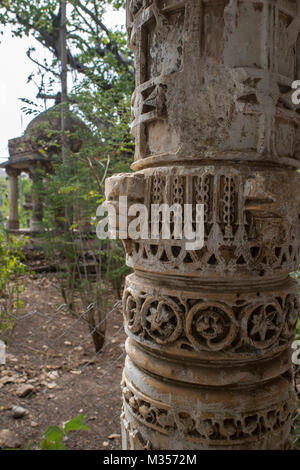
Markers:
point(41, 65)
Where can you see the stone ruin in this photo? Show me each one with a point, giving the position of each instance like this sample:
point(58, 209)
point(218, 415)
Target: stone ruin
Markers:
point(34, 154)
point(210, 331)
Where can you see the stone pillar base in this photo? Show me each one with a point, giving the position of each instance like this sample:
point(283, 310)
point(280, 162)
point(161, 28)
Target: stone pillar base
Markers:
point(162, 415)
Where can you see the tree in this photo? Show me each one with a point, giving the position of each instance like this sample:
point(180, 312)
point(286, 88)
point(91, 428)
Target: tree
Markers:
point(94, 51)
point(101, 88)
point(99, 95)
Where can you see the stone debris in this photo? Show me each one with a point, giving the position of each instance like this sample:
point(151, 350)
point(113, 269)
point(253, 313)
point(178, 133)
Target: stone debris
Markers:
point(25, 390)
point(2, 353)
point(19, 412)
point(52, 375)
point(9, 440)
point(6, 380)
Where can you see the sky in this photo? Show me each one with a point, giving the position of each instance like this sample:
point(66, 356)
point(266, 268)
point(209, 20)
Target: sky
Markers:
point(15, 67)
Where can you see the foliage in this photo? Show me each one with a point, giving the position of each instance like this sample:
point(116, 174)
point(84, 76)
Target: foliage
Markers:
point(114, 265)
point(78, 183)
point(54, 436)
point(3, 199)
point(98, 117)
point(25, 212)
point(11, 271)
point(96, 53)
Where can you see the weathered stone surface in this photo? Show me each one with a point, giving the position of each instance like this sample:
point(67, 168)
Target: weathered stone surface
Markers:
point(32, 153)
point(2, 353)
point(213, 80)
point(210, 331)
point(18, 412)
point(13, 217)
point(253, 322)
point(8, 440)
point(25, 390)
point(251, 228)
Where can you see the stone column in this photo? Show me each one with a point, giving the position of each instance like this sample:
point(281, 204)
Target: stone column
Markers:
point(13, 192)
point(36, 223)
point(209, 331)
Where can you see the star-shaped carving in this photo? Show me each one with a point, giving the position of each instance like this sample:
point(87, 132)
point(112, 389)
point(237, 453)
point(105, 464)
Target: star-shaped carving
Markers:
point(264, 322)
point(159, 320)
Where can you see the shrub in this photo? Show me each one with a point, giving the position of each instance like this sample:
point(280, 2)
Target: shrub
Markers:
point(11, 271)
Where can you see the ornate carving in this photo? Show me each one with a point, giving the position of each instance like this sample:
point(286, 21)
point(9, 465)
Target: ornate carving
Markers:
point(210, 326)
point(257, 235)
point(246, 426)
point(192, 42)
point(161, 320)
point(264, 324)
point(134, 438)
point(246, 325)
point(135, 6)
point(210, 330)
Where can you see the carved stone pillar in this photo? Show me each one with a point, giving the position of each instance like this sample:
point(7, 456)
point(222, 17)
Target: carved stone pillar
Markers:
point(36, 222)
point(13, 194)
point(209, 331)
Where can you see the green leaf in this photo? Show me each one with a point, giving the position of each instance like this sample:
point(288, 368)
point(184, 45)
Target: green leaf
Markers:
point(76, 424)
point(54, 433)
point(46, 444)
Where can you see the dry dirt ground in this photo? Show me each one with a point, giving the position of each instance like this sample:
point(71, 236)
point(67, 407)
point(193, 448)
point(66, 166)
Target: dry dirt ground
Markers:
point(53, 351)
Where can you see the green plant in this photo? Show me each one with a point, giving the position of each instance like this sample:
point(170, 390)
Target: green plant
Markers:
point(80, 259)
point(3, 199)
point(54, 436)
point(114, 265)
point(94, 143)
point(11, 271)
point(25, 199)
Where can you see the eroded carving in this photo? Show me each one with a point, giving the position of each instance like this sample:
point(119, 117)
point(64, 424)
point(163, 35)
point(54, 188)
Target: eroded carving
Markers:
point(250, 227)
point(247, 426)
point(208, 354)
point(247, 324)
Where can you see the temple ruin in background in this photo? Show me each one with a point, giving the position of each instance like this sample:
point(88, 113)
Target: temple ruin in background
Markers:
point(34, 153)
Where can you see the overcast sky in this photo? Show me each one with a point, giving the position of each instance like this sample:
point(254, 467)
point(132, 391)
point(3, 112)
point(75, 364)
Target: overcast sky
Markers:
point(15, 69)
